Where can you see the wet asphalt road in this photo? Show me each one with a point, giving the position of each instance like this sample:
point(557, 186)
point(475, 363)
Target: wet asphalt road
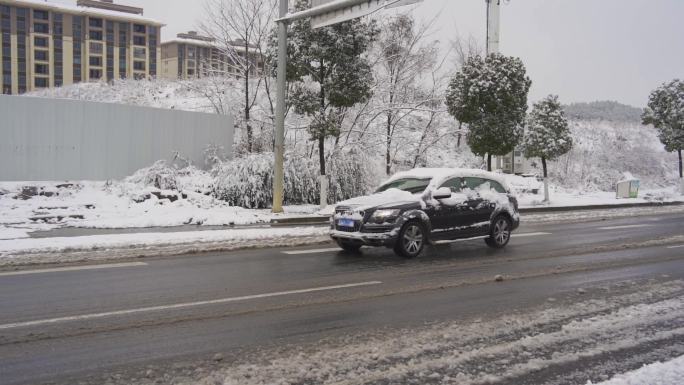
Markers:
point(59, 326)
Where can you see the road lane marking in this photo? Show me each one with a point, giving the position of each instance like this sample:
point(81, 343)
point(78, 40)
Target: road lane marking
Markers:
point(675, 247)
point(624, 227)
point(312, 251)
point(182, 305)
point(73, 268)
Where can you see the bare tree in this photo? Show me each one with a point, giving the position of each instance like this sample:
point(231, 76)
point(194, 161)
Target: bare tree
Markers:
point(403, 57)
point(240, 29)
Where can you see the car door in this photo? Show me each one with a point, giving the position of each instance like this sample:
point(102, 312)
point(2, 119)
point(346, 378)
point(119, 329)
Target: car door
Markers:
point(479, 208)
point(448, 214)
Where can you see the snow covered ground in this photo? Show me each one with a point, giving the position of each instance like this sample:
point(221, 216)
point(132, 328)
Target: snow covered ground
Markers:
point(658, 373)
point(585, 338)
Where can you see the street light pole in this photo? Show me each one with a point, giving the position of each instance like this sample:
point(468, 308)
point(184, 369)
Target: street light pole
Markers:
point(279, 177)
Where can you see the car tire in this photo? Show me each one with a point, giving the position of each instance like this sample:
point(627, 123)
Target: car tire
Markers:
point(411, 240)
point(349, 246)
point(500, 232)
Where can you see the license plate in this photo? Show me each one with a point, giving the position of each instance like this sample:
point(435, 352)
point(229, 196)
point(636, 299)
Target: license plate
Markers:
point(345, 223)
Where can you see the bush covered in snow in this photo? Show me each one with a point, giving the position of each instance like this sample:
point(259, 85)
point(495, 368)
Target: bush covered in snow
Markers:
point(160, 175)
point(248, 181)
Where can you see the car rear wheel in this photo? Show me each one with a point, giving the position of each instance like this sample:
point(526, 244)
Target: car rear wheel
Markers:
point(349, 246)
point(411, 240)
point(500, 232)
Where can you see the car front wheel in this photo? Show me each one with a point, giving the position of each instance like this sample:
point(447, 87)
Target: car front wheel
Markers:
point(411, 240)
point(500, 233)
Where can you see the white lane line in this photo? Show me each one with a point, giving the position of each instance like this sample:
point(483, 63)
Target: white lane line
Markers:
point(73, 268)
point(514, 235)
point(675, 247)
point(311, 251)
point(624, 227)
point(181, 305)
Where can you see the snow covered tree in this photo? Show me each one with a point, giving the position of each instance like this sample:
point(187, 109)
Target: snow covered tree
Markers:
point(665, 111)
point(490, 96)
point(547, 135)
point(240, 29)
point(403, 57)
point(330, 73)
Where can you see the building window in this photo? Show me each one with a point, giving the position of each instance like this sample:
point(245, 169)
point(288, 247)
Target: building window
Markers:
point(41, 82)
point(41, 28)
point(95, 74)
point(95, 35)
point(139, 53)
point(41, 55)
point(95, 48)
point(40, 14)
point(5, 33)
point(139, 28)
point(153, 50)
point(42, 69)
point(22, 15)
point(139, 65)
point(41, 41)
point(95, 23)
point(139, 40)
point(77, 26)
point(123, 49)
point(139, 76)
point(96, 61)
point(58, 53)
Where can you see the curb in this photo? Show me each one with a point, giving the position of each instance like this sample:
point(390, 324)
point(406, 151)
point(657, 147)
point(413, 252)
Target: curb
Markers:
point(297, 221)
point(597, 207)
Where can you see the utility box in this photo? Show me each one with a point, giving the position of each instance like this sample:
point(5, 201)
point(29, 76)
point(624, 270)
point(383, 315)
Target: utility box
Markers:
point(627, 189)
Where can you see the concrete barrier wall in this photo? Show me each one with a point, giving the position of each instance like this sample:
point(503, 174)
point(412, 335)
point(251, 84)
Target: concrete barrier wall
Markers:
point(56, 139)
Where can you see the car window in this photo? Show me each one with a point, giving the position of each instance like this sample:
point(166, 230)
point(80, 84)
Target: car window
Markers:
point(472, 183)
point(454, 184)
point(496, 186)
point(412, 185)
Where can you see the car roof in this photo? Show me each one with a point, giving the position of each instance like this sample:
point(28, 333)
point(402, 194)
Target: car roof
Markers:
point(439, 175)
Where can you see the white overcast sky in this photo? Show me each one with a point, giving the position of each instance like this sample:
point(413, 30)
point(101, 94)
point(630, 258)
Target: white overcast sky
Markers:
point(582, 50)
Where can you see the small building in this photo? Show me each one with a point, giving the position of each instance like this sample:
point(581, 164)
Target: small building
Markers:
point(514, 163)
point(47, 44)
point(191, 55)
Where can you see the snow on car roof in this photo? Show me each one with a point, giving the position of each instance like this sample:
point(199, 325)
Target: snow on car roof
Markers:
point(439, 175)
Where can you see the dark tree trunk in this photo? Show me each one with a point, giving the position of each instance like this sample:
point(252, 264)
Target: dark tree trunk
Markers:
point(388, 154)
point(458, 141)
point(680, 164)
point(321, 153)
point(250, 134)
point(489, 162)
point(544, 166)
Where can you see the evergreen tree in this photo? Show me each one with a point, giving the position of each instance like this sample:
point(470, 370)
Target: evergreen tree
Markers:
point(547, 135)
point(665, 111)
point(328, 73)
point(490, 96)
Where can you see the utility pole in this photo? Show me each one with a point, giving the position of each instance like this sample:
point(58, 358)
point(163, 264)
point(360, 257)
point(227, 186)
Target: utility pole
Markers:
point(279, 175)
point(493, 21)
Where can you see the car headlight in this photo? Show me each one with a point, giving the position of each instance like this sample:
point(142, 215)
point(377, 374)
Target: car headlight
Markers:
point(385, 215)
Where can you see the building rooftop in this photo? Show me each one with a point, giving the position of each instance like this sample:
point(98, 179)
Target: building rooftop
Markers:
point(193, 38)
point(105, 9)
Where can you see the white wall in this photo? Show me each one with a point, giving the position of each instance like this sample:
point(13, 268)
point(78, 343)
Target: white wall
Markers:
point(58, 139)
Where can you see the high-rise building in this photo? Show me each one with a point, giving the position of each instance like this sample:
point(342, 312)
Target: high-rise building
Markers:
point(191, 55)
point(46, 44)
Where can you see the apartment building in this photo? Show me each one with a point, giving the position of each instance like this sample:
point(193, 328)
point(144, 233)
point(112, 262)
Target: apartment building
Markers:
point(191, 55)
point(48, 44)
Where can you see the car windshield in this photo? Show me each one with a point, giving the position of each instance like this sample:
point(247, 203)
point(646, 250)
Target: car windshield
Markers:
point(412, 185)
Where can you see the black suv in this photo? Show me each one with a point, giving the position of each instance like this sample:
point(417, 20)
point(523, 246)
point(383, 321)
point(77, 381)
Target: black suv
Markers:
point(428, 205)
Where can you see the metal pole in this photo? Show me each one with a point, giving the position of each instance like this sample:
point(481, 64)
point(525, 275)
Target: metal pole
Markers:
point(279, 177)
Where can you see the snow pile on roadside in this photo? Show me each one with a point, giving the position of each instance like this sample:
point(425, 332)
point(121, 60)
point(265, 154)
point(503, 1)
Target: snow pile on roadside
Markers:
point(99, 242)
point(662, 373)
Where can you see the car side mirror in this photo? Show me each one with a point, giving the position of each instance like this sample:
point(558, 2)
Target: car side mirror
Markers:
point(441, 193)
